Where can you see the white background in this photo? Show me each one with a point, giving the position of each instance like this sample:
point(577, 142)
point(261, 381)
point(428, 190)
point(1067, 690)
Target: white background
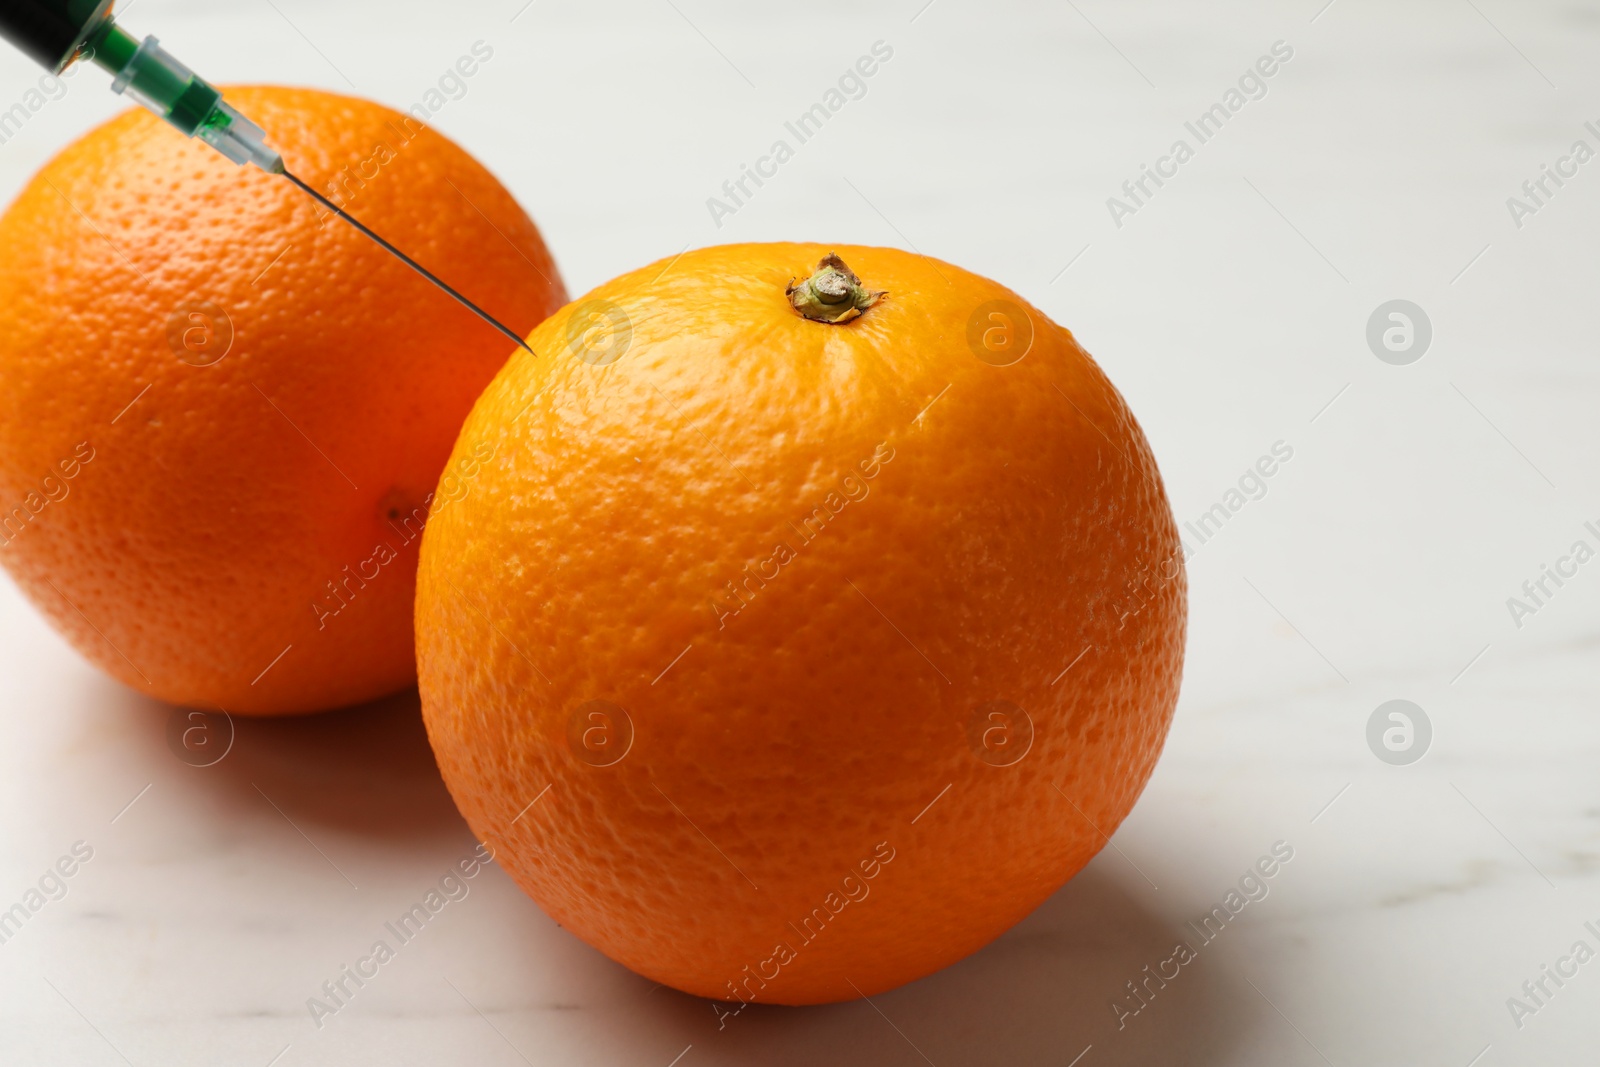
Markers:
point(1230, 310)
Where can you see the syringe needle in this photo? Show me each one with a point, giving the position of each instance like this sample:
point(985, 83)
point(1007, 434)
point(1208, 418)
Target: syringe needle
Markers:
point(58, 32)
point(408, 261)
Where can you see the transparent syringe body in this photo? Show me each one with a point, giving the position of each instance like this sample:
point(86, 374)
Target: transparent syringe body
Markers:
point(153, 78)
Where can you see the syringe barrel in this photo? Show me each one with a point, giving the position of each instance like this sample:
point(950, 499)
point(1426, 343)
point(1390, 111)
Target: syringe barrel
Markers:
point(51, 32)
point(164, 85)
point(56, 32)
point(150, 75)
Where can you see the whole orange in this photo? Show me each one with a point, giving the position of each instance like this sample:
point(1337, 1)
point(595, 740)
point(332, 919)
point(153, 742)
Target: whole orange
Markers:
point(789, 660)
point(222, 410)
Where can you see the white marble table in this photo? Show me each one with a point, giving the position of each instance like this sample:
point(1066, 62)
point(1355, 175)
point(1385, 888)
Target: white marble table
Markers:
point(1230, 307)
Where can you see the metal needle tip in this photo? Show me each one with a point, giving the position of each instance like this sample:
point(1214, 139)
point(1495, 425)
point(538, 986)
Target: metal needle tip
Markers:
point(408, 261)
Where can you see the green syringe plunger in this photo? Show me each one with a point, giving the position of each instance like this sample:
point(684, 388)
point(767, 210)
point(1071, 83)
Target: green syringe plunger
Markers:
point(148, 74)
point(58, 33)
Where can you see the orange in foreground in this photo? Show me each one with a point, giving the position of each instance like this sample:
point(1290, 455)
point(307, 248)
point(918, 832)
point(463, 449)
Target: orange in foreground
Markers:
point(786, 659)
point(222, 411)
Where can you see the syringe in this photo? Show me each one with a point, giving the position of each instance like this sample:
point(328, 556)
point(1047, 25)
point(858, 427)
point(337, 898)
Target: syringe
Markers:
point(58, 33)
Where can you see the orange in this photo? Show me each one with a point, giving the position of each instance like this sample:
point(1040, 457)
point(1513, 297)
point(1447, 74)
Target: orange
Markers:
point(788, 661)
point(222, 410)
